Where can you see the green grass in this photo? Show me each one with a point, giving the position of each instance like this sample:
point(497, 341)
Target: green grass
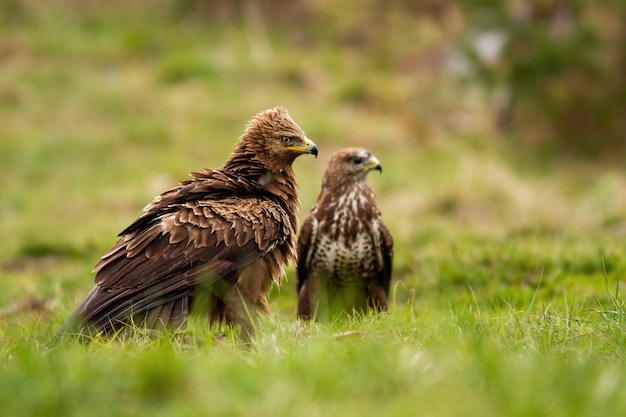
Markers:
point(456, 358)
point(508, 275)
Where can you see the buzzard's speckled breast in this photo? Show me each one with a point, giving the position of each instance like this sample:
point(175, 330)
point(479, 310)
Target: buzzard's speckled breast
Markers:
point(344, 249)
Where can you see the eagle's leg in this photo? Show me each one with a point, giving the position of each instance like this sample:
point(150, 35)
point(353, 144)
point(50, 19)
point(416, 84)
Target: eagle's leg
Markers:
point(246, 301)
point(242, 312)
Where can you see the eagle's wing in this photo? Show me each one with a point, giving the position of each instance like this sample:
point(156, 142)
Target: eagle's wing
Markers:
point(153, 268)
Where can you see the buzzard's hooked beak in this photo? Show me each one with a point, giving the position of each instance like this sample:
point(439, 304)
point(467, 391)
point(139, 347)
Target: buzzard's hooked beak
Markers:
point(373, 164)
point(307, 147)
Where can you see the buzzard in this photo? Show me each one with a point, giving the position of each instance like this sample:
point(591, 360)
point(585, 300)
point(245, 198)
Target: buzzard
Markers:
point(214, 244)
point(345, 251)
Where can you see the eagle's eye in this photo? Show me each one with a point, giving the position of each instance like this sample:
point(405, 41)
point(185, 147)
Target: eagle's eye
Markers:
point(287, 140)
point(357, 160)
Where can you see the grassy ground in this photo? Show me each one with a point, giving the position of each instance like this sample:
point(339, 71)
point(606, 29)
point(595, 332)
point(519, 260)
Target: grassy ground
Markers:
point(507, 295)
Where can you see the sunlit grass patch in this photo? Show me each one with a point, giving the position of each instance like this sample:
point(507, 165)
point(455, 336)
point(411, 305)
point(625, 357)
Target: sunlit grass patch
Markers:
point(455, 358)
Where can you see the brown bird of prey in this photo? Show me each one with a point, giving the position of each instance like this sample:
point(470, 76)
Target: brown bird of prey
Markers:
point(216, 243)
point(345, 251)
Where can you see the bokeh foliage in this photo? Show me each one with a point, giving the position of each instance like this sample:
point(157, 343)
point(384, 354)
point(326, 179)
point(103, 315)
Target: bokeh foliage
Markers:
point(559, 72)
point(555, 71)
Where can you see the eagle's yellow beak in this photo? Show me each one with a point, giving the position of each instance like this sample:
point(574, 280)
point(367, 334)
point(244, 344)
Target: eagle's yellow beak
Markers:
point(308, 146)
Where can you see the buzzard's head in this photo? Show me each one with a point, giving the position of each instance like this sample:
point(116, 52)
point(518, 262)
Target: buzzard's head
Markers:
point(276, 139)
point(351, 164)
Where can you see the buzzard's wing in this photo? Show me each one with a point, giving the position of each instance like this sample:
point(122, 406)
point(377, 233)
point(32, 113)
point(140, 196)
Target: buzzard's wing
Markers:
point(386, 253)
point(164, 254)
point(306, 246)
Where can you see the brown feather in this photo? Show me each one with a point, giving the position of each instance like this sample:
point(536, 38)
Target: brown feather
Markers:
point(345, 251)
point(225, 232)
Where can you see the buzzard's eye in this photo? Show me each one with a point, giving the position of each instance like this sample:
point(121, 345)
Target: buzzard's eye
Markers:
point(287, 140)
point(357, 160)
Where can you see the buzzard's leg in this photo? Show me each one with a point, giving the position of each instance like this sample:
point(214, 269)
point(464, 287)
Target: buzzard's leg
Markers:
point(376, 297)
point(313, 297)
point(305, 309)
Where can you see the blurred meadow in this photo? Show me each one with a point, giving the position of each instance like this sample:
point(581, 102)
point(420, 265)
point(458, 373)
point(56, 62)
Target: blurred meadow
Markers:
point(501, 128)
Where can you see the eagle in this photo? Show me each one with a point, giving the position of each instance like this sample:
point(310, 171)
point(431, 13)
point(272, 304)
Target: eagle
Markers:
point(345, 250)
point(215, 244)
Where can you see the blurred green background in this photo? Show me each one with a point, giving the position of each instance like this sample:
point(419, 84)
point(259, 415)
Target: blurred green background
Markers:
point(495, 121)
point(501, 123)
point(501, 130)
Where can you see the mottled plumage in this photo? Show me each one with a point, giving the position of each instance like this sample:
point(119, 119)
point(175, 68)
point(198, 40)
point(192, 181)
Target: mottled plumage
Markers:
point(216, 243)
point(345, 250)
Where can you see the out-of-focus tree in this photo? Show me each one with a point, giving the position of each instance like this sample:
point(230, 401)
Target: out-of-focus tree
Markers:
point(556, 68)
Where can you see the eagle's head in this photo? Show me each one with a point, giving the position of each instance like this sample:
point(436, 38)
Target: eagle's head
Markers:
point(275, 139)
